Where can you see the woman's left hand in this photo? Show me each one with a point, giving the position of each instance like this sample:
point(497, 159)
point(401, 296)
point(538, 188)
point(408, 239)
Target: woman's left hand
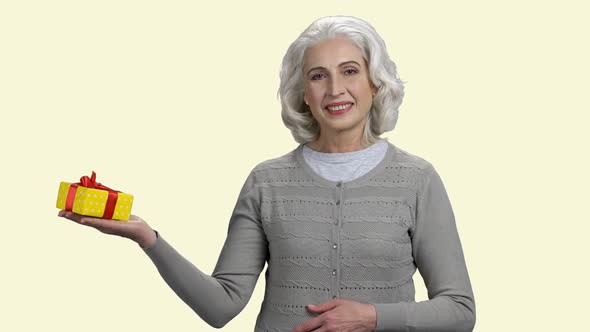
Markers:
point(340, 316)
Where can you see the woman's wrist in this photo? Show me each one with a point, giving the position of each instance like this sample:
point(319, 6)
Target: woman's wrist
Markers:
point(148, 240)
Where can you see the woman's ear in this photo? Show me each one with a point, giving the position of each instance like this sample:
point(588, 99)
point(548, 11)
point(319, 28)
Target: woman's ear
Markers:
point(374, 88)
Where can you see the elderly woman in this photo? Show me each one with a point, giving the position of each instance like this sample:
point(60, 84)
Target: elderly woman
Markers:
point(343, 220)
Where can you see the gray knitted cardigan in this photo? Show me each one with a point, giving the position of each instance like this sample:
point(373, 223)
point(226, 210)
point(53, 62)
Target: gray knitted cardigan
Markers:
point(360, 240)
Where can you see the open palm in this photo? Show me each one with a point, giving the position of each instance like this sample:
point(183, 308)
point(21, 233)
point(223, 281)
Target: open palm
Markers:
point(135, 228)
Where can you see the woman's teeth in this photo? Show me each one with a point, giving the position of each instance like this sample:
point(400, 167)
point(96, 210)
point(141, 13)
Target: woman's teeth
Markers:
point(338, 108)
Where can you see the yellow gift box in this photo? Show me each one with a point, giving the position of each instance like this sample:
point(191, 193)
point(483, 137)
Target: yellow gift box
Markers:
point(91, 198)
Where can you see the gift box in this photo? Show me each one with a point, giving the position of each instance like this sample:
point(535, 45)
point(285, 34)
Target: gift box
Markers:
point(91, 198)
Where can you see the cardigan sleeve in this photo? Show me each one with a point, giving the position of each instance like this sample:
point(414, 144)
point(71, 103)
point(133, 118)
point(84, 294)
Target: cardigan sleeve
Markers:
point(219, 297)
point(439, 257)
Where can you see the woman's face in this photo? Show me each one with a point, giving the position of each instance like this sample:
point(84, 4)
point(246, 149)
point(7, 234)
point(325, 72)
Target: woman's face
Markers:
point(337, 86)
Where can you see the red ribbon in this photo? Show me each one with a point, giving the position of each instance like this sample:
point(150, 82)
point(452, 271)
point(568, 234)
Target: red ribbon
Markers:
point(90, 182)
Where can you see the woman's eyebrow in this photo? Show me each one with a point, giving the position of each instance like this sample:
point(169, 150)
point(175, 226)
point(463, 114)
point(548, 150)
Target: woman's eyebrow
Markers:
point(340, 65)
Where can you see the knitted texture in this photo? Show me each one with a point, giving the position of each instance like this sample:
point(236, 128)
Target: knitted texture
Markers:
point(360, 240)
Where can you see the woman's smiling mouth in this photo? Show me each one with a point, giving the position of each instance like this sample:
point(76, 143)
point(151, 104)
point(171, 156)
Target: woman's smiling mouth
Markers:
point(339, 109)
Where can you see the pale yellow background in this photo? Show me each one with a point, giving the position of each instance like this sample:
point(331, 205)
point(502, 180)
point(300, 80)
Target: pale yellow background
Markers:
point(175, 102)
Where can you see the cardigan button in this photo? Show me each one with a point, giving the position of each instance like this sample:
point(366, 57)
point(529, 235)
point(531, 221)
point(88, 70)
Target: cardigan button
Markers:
point(333, 296)
point(338, 202)
point(339, 184)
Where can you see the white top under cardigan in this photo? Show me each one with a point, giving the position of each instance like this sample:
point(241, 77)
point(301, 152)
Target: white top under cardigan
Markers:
point(345, 166)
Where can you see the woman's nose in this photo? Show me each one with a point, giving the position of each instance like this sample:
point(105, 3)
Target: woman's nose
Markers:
point(335, 86)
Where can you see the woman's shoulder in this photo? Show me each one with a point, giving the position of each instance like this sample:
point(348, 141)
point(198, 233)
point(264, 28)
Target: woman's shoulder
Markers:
point(278, 169)
point(403, 158)
point(285, 161)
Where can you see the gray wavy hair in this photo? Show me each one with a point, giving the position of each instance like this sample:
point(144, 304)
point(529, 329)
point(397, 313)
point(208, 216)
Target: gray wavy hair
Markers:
point(382, 72)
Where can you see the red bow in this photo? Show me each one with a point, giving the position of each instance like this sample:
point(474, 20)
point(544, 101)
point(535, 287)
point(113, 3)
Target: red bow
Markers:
point(90, 182)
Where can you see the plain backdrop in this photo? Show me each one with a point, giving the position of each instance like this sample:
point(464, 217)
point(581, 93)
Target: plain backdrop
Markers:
point(175, 102)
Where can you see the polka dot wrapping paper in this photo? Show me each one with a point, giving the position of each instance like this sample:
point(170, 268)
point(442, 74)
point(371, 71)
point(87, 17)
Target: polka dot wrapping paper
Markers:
point(89, 200)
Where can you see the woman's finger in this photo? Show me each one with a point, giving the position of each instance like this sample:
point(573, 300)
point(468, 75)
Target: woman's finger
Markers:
point(72, 216)
point(98, 223)
point(132, 229)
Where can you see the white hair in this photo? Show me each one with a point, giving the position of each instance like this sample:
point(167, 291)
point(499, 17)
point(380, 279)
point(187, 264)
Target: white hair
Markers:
point(383, 115)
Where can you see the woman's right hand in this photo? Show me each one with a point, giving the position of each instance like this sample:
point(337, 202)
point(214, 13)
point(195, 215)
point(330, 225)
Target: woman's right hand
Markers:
point(135, 228)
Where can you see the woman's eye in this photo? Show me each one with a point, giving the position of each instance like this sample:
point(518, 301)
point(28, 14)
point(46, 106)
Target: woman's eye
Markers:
point(350, 71)
point(316, 76)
